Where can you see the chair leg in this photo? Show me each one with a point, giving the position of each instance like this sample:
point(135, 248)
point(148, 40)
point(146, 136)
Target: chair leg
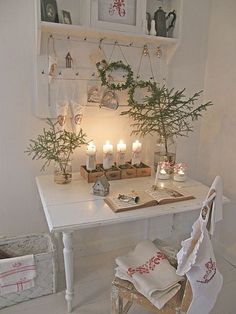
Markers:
point(116, 301)
point(127, 307)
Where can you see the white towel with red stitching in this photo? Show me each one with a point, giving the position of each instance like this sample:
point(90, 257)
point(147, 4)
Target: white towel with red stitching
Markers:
point(196, 258)
point(150, 272)
point(17, 274)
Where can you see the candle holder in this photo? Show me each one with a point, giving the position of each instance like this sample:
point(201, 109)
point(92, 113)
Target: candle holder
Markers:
point(136, 153)
point(163, 170)
point(91, 157)
point(120, 155)
point(180, 172)
point(107, 156)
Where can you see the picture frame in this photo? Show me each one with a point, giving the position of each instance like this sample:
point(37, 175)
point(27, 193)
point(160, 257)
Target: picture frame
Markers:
point(49, 11)
point(118, 15)
point(66, 17)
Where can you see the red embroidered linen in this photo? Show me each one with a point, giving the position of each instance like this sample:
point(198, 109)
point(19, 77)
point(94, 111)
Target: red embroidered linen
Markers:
point(150, 272)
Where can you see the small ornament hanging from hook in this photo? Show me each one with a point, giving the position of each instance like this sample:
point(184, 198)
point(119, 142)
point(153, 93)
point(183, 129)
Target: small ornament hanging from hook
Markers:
point(158, 52)
point(69, 60)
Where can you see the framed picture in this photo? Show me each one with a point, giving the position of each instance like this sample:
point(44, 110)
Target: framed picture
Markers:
point(66, 18)
point(49, 12)
point(119, 15)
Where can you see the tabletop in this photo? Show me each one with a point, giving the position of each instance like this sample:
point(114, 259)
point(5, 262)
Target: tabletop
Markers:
point(73, 206)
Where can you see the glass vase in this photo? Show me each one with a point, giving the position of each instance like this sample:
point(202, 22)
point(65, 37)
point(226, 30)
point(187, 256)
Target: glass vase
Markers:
point(63, 172)
point(165, 151)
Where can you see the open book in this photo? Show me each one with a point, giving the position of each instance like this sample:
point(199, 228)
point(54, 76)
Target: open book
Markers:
point(146, 198)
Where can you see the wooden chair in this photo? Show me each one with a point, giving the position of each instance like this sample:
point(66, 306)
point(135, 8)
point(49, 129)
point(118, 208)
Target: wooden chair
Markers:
point(124, 290)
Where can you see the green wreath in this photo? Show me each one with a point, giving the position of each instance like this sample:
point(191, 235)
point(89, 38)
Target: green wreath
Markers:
point(112, 67)
point(138, 84)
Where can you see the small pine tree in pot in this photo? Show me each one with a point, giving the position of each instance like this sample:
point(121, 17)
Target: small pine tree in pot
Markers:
point(56, 145)
point(165, 112)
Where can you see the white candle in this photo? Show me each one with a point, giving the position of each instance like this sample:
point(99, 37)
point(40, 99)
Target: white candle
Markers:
point(136, 146)
point(121, 150)
point(107, 148)
point(136, 152)
point(91, 157)
point(107, 155)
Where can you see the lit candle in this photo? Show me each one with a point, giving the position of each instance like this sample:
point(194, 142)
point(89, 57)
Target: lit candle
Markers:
point(180, 172)
point(163, 173)
point(121, 150)
point(91, 157)
point(107, 155)
point(136, 152)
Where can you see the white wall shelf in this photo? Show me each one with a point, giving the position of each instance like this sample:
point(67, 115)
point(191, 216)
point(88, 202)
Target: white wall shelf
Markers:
point(88, 32)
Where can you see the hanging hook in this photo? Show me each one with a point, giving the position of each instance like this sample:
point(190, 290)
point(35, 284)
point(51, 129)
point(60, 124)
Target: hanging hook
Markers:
point(159, 52)
point(100, 42)
point(145, 50)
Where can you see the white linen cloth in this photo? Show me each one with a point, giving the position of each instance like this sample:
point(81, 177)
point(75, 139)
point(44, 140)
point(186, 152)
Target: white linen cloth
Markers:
point(217, 212)
point(77, 110)
point(196, 258)
point(150, 272)
point(17, 274)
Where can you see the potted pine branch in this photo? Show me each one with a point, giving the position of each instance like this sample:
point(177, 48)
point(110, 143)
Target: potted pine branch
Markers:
point(166, 112)
point(56, 145)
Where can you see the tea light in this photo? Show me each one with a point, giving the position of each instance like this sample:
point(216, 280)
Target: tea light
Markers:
point(107, 155)
point(180, 172)
point(121, 150)
point(91, 157)
point(163, 171)
point(136, 152)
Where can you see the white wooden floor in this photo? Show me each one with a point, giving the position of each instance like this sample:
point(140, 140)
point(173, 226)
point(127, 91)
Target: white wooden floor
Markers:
point(92, 296)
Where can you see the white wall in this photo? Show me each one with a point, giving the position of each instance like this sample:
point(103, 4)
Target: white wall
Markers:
point(20, 210)
point(187, 70)
point(217, 139)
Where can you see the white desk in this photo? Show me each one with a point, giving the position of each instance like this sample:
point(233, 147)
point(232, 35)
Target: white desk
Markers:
point(73, 206)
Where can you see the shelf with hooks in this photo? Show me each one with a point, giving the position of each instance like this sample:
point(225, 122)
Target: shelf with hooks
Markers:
point(92, 33)
point(70, 38)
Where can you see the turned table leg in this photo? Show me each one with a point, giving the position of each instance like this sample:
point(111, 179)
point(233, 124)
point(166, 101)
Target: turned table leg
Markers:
point(69, 268)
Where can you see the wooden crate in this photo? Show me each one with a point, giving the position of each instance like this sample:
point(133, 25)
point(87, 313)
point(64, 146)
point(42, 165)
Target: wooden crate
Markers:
point(112, 174)
point(116, 173)
point(143, 170)
point(127, 171)
point(91, 176)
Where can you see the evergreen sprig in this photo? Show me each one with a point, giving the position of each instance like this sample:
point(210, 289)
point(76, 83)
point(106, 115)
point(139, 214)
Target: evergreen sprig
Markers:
point(166, 112)
point(55, 145)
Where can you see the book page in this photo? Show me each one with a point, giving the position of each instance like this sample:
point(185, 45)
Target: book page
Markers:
point(117, 205)
point(165, 195)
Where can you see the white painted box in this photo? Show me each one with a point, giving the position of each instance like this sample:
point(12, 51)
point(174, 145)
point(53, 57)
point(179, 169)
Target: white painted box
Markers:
point(41, 246)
